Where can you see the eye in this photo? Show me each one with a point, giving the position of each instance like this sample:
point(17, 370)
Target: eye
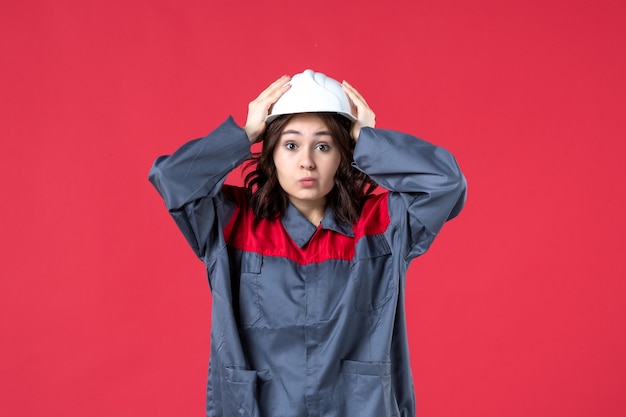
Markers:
point(323, 147)
point(290, 146)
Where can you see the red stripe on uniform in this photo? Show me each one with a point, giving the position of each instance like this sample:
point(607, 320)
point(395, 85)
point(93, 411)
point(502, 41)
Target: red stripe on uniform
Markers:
point(269, 237)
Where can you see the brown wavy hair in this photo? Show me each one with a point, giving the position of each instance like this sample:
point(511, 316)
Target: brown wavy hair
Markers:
point(269, 201)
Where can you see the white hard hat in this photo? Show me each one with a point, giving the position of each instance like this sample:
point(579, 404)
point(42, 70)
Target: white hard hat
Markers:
point(312, 92)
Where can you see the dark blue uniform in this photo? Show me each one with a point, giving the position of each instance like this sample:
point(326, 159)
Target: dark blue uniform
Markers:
point(306, 320)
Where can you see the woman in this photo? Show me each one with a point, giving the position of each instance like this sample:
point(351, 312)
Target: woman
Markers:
point(306, 265)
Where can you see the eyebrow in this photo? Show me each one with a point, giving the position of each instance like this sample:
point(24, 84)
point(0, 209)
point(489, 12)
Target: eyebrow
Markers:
point(297, 132)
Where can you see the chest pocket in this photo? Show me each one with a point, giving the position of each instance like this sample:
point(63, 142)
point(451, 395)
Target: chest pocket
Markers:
point(247, 274)
point(372, 274)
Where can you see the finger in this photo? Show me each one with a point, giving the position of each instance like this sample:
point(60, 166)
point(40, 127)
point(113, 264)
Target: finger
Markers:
point(279, 91)
point(272, 93)
point(353, 90)
point(359, 107)
point(277, 86)
point(355, 101)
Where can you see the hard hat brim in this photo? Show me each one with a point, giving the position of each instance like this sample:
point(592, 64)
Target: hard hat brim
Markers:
point(274, 116)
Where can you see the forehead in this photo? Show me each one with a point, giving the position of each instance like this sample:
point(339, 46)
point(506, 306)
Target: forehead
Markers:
point(305, 122)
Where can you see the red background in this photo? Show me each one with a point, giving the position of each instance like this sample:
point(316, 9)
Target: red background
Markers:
point(517, 310)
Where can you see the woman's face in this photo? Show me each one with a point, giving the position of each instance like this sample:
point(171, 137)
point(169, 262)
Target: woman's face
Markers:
point(306, 159)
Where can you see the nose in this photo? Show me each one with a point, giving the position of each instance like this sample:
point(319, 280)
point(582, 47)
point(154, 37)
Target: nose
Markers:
point(306, 161)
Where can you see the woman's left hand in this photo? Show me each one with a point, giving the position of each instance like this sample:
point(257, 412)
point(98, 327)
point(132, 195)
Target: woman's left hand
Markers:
point(365, 117)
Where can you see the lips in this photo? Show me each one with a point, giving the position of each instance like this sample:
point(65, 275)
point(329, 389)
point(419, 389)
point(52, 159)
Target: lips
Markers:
point(307, 181)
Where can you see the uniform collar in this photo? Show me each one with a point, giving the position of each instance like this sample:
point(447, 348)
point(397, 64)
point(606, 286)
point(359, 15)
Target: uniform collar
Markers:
point(301, 230)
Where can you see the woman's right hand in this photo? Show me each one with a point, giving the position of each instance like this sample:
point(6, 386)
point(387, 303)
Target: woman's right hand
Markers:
point(259, 108)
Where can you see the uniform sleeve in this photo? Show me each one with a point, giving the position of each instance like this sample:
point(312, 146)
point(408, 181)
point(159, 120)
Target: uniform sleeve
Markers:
point(190, 182)
point(426, 186)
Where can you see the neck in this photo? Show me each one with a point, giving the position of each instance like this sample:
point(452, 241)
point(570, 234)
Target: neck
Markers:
point(312, 210)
